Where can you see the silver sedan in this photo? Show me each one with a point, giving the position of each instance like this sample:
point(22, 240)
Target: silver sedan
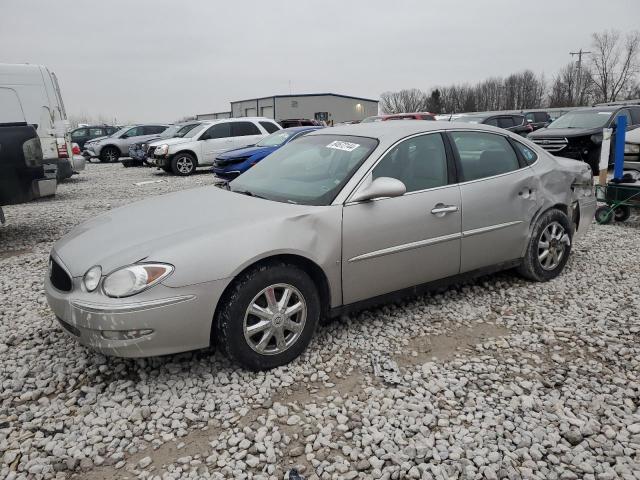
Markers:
point(337, 220)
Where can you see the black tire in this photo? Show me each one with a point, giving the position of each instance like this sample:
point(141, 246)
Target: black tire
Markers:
point(604, 215)
point(228, 331)
point(109, 155)
point(183, 164)
point(532, 266)
point(622, 213)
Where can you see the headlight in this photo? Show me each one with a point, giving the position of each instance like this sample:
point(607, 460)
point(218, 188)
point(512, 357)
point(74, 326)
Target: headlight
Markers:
point(631, 148)
point(92, 278)
point(161, 150)
point(597, 138)
point(135, 278)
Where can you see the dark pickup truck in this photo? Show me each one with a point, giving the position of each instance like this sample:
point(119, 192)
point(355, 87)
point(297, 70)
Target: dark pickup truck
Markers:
point(23, 175)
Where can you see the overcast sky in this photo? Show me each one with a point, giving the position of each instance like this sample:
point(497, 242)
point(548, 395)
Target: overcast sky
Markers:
point(157, 60)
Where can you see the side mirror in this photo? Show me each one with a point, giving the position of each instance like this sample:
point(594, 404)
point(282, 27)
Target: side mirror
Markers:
point(380, 187)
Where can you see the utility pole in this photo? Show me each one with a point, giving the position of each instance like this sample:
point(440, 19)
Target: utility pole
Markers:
point(579, 53)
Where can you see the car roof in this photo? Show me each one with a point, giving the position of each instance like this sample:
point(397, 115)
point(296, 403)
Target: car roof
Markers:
point(608, 108)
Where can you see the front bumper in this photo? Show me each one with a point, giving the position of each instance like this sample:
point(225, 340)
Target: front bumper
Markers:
point(161, 161)
point(179, 318)
point(90, 152)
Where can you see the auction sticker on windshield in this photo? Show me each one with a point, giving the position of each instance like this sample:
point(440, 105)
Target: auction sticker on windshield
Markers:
point(346, 146)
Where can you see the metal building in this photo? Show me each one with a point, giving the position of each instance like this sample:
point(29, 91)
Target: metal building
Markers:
point(328, 107)
point(213, 116)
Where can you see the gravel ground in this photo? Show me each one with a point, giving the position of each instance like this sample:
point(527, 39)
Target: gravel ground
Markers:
point(499, 378)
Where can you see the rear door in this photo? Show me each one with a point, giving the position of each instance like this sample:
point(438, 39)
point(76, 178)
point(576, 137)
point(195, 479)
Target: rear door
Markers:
point(245, 133)
point(499, 198)
point(391, 244)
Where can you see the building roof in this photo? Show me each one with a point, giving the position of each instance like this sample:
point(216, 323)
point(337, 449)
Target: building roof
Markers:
point(307, 95)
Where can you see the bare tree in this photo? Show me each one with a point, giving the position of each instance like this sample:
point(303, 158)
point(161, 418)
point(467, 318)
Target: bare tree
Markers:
point(614, 63)
point(411, 100)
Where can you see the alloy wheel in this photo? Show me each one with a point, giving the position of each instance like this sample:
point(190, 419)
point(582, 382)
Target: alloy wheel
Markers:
point(275, 319)
point(552, 246)
point(184, 165)
point(111, 155)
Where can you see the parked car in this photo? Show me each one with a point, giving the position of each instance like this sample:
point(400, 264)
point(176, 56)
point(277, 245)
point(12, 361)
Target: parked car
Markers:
point(34, 90)
point(514, 122)
point(81, 135)
point(337, 220)
point(578, 133)
point(110, 149)
point(202, 145)
point(229, 165)
point(537, 118)
point(401, 116)
point(298, 122)
point(632, 150)
point(139, 152)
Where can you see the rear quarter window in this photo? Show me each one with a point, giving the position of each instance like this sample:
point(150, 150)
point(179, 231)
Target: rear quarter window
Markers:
point(528, 154)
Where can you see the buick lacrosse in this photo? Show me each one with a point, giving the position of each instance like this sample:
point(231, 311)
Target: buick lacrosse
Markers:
point(340, 219)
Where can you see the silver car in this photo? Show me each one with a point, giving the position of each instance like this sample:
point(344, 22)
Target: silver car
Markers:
point(337, 220)
point(110, 149)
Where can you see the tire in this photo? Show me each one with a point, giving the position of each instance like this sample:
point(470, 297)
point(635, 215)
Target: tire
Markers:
point(604, 215)
point(183, 164)
point(109, 155)
point(553, 228)
point(251, 288)
point(622, 213)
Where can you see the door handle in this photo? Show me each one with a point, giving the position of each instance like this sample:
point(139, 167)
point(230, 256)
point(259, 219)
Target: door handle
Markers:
point(440, 210)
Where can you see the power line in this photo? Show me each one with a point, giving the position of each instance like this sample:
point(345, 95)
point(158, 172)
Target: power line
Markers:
point(579, 53)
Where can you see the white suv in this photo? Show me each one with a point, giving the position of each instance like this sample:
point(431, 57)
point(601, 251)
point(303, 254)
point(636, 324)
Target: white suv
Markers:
point(200, 147)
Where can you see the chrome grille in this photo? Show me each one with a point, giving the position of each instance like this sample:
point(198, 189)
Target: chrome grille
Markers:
point(551, 144)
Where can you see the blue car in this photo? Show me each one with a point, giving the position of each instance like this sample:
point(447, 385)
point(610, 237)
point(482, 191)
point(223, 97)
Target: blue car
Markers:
point(229, 165)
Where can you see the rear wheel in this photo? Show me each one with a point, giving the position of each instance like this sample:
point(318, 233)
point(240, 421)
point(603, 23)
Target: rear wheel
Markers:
point(268, 317)
point(183, 164)
point(109, 155)
point(604, 215)
point(549, 247)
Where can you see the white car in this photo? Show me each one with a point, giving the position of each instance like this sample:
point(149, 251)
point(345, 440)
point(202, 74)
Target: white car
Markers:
point(200, 146)
point(632, 150)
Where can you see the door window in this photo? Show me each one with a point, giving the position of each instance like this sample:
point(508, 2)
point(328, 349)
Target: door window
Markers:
point(96, 132)
point(419, 162)
point(154, 129)
point(542, 117)
point(79, 133)
point(492, 121)
point(505, 122)
point(243, 129)
point(531, 117)
point(219, 130)
point(133, 132)
point(518, 120)
point(529, 155)
point(484, 154)
point(626, 113)
point(269, 126)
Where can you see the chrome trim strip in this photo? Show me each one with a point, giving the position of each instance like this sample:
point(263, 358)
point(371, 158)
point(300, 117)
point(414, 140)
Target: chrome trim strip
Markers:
point(490, 228)
point(129, 307)
point(405, 247)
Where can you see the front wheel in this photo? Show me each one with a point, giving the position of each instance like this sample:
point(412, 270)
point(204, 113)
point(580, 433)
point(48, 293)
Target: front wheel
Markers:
point(109, 155)
point(183, 164)
point(549, 247)
point(268, 317)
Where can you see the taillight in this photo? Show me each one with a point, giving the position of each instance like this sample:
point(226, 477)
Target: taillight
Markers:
point(62, 148)
point(75, 148)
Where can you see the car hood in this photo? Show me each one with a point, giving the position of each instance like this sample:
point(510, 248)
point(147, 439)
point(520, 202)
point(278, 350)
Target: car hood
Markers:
point(245, 152)
point(169, 141)
point(196, 222)
point(96, 140)
point(563, 132)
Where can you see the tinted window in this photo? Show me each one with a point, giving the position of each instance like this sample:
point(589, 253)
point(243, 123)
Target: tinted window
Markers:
point(635, 115)
point(531, 117)
point(219, 130)
point(518, 120)
point(627, 114)
point(529, 155)
point(505, 122)
point(134, 132)
point(542, 117)
point(154, 129)
point(491, 121)
point(242, 129)
point(111, 131)
point(484, 154)
point(96, 132)
point(269, 127)
point(419, 163)
point(79, 133)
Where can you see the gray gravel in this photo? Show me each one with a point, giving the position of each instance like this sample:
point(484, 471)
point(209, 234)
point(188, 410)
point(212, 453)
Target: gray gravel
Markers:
point(495, 379)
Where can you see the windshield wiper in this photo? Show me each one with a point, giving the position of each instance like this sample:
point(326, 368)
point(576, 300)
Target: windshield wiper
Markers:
point(248, 193)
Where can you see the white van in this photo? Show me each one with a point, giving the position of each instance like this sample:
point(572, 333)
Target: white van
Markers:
point(39, 95)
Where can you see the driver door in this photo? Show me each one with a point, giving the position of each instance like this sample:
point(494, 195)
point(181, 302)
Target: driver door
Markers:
point(391, 244)
point(215, 140)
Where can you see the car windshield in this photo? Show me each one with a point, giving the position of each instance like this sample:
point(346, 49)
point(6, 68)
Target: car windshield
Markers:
point(311, 171)
point(121, 131)
point(187, 131)
point(584, 119)
point(170, 132)
point(275, 139)
point(470, 119)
